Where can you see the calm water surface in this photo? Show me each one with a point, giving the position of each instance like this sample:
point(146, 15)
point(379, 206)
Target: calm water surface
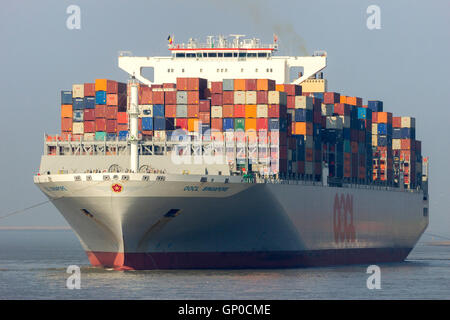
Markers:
point(33, 266)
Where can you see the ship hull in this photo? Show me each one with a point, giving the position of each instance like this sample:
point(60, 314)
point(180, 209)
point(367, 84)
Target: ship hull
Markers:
point(188, 225)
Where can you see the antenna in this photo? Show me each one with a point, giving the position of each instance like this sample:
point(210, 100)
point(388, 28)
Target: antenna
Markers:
point(236, 39)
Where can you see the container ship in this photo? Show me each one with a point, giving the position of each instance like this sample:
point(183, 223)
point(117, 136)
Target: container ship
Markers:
point(233, 157)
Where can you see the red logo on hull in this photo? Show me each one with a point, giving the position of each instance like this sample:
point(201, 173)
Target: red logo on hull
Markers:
point(117, 187)
point(344, 229)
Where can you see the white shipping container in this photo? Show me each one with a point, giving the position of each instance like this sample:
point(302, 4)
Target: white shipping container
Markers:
point(250, 97)
point(277, 97)
point(334, 122)
point(78, 91)
point(303, 102)
point(408, 122)
point(396, 144)
point(239, 97)
point(374, 128)
point(78, 128)
point(374, 140)
point(145, 110)
point(89, 137)
point(216, 111)
point(262, 111)
point(160, 135)
point(327, 109)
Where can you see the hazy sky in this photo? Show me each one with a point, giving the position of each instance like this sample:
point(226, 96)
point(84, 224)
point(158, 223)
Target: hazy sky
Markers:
point(405, 64)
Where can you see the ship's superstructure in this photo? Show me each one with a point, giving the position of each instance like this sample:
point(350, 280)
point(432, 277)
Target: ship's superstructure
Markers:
point(271, 192)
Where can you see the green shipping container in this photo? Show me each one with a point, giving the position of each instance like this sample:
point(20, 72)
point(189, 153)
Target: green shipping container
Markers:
point(239, 124)
point(100, 136)
point(347, 146)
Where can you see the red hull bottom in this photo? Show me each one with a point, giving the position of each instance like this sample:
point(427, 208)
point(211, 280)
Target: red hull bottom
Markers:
point(244, 260)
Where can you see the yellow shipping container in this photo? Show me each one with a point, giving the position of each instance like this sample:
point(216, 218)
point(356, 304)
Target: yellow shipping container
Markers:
point(250, 124)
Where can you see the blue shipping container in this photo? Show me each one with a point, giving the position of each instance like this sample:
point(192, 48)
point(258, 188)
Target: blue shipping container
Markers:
point(78, 103)
point(123, 135)
point(100, 97)
point(78, 115)
point(111, 136)
point(228, 124)
point(397, 133)
point(66, 97)
point(89, 102)
point(364, 113)
point(147, 124)
point(408, 133)
point(375, 105)
point(382, 128)
point(158, 111)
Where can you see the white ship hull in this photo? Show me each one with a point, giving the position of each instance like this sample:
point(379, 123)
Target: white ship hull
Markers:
point(184, 223)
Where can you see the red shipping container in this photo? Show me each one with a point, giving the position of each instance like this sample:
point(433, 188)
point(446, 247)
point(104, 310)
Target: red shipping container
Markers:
point(157, 86)
point(262, 97)
point(111, 86)
point(145, 95)
point(111, 112)
point(196, 84)
point(396, 122)
point(181, 123)
point(217, 99)
point(192, 110)
point(374, 117)
point(100, 111)
point(227, 110)
point(228, 97)
point(406, 144)
point(216, 87)
point(140, 124)
point(169, 85)
point(216, 124)
point(262, 124)
point(206, 93)
point(170, 97)
point(331, 97)
point(250, 84)
point(205, 117)
point(111, 126)
point(158, 97)
point(276, 111)
point(122, 127)
point(193, 97)
point(265, 85)
point(112, 99)
point(182, 84)
point(89, 89)
point(89, 126)
point(100, 124)
point(205, 106)
point(122, 118)
point(171, 110)
point(342, 109)
point(66, 124)
point(293, 89)
point(239, 111)
point(89, 115)
point(290, 102)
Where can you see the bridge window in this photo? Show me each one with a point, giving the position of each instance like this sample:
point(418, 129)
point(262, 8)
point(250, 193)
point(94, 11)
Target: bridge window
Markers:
point(251, 55)
point(180, 55)
point(235, 54)
point(212, 54)
point(199, 55)
point(262, 54)
point(256, 70)
point(242, 54)
point(228, 54)
point(220, 54)
point(190, 55)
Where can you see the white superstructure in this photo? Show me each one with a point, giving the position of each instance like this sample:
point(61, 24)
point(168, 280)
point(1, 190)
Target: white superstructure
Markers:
point(219, 59)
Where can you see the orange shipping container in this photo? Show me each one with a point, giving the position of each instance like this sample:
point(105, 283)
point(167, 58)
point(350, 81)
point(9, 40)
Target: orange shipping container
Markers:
point(305, 128)
point(343, 99)
point(251, 111)
point(192, 110)
point(227, 111)
point(112, 99)
point(101, 84)
point(66, 111)
point(250, 124)
point(193, 125)
point(279, 87)
point(265, 85)
point(239, 84)
point(384, 117)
